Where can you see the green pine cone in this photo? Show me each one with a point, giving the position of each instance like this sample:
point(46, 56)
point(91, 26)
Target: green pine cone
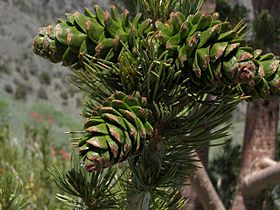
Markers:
point(215, 58)
point(115, 131)
point(211, 54)
point(99, 35)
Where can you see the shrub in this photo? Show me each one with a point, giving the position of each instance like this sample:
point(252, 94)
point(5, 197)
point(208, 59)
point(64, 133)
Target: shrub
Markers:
point(4, 69)
point(42, 94)
point(64, 103)
point(57, 86)
point(72, 91)
point(33, 71)
point(25, 75)
point(64, 95)
point(22, 185)
point(45, 78)
point(21, 91)
point(78, 102)
point(3, 106)
point(8, 88)
point(18, 69)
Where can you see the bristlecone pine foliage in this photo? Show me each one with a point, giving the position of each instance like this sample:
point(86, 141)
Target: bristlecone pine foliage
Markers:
point(147, 80)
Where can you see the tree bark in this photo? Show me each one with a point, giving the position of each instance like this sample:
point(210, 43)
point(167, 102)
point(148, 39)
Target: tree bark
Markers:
point(259, 142)
point(205, 190)
point(139, 201)
point(189, 191)
point(208, 6)
point(257, 182)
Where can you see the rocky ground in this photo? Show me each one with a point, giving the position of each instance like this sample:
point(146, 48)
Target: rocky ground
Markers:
point(23, 74)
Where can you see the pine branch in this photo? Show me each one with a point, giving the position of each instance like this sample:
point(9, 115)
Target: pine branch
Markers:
point(254, 183)
point(210, 55)
point(11, 193)
point(205, 190)
point(89, 191)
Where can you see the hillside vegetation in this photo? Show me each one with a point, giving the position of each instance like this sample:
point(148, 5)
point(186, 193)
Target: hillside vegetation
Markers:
point(22, 74)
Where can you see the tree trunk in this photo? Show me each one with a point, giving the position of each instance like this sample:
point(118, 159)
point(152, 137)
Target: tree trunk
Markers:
point(208, 6)
point(139, 201)
point(259, 142)
point(207, 196)
point(188, 190)
point(260, 133)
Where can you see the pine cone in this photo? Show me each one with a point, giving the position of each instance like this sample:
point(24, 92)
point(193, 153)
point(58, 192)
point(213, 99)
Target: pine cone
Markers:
point(115, 131)
point(214, 56)
point(99, 35)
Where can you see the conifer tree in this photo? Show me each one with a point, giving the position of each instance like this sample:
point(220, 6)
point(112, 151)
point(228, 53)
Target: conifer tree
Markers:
point(147, 80)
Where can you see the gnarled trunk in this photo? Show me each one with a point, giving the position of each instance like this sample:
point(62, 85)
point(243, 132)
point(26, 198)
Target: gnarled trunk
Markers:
point(259, 142)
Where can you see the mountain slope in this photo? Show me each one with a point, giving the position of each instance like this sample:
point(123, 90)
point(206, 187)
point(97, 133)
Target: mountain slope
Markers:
point(22, 73)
